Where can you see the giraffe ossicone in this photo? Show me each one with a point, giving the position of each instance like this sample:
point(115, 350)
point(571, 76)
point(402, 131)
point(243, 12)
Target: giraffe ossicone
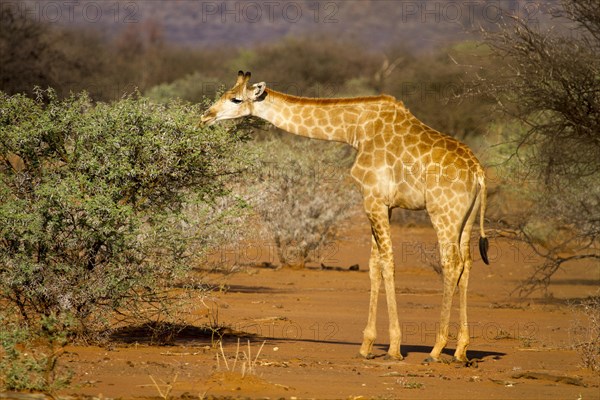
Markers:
point(400, 162)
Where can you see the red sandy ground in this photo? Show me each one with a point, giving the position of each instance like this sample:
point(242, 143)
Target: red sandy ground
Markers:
point(311, 324)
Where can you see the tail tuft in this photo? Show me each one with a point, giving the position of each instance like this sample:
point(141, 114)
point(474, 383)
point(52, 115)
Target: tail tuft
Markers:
point(483, 241)
point(484, 244)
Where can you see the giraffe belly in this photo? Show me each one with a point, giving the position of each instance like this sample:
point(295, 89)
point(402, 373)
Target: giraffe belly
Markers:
point(399, 191)
point(410, 197)
point(395, 189)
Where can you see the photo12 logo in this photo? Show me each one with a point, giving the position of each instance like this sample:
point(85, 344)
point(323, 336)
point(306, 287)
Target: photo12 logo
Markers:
point(469, 12)
point(266, 251)
point(269, 11)
point(286, 329)
point(67, 11)
point(425, 333)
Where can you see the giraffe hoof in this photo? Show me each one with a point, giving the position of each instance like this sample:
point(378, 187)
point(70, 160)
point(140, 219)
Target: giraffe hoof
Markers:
point(466, 362)
point(430, 360)
point(369, 356)
point(392, 357)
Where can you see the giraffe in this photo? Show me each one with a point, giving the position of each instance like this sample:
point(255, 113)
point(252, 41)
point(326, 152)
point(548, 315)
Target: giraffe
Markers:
point(400, 162)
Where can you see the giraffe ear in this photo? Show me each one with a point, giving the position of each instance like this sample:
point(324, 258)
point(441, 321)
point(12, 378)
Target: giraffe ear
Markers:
point(240, 78)
point(257, 90)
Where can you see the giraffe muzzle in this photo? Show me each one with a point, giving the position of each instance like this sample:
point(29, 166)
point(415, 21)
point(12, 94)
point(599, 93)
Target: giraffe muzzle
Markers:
point(208, 118)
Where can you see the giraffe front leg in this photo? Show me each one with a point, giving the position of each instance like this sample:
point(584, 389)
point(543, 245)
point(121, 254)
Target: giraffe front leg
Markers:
point(382, 243)
point(370, 331)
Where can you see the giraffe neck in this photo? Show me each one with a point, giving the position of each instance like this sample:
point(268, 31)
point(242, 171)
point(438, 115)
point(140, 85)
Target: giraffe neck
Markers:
point(325, 119)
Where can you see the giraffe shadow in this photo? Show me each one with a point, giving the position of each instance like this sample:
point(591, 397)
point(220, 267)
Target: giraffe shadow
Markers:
point(173, 334)
point(408, 349)
point(257, 289)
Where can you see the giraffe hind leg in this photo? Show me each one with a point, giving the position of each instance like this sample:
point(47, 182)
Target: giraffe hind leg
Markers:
point(460, 354)
point(454, 241)
point(452, 270)
point(449, 220)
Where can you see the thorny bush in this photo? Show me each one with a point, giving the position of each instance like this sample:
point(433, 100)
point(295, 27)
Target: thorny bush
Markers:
point(302, 192)
point(101, 204)
point(550, 85)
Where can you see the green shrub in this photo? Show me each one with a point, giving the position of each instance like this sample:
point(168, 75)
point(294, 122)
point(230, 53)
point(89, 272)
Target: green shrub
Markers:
point(30, 359)
point(101, 204)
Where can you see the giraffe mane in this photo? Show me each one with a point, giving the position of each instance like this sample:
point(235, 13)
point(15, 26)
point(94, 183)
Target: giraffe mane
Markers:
point(331, 101)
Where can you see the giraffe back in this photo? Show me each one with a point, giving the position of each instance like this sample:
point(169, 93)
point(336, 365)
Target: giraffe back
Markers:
point(406, 162)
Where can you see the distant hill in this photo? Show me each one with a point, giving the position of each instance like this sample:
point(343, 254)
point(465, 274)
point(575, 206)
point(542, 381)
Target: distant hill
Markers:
point(376, 24)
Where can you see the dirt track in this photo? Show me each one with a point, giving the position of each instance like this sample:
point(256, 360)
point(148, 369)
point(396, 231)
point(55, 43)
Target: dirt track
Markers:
point(311, 323)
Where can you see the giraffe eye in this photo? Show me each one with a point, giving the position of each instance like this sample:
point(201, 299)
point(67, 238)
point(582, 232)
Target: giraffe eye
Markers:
point(236, 101)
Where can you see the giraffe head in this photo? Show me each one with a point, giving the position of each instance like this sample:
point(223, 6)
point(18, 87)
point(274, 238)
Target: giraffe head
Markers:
point(236, 102)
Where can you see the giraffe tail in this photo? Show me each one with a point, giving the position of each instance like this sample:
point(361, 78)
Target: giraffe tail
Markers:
point(483, 240)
